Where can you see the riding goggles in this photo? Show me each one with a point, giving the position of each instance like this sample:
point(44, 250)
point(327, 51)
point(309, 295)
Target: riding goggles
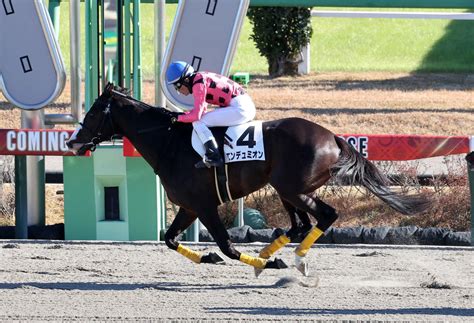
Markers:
point(177, 85)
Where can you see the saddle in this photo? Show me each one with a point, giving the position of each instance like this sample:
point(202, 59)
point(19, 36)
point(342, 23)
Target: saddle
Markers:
point(236, 144)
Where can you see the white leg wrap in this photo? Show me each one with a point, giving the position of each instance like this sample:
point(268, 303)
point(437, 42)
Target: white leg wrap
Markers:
point(301, 265)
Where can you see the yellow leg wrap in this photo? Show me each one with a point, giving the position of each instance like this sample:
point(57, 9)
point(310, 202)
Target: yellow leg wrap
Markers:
point(308, 241)
point(276, 245)
point(253, 261)
point(190, 254)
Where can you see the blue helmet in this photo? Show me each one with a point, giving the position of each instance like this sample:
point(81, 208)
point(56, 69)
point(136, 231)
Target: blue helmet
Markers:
point(178, 71)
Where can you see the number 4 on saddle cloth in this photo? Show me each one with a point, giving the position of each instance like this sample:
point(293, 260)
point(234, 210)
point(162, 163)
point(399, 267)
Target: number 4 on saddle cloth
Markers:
point(238, 143)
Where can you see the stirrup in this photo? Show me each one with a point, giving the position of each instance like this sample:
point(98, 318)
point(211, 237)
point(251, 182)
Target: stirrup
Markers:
point(212, 157)
point(207, 163)
point(202, 164)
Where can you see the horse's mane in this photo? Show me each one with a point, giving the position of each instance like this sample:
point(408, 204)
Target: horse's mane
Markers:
point(147, 112)
point(123, 94)
point(110, 87)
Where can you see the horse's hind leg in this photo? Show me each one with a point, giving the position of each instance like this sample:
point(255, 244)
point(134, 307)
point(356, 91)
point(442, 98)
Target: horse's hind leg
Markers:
point(325, 216)
point(221, 237)
point(297, 228)
point(323, 213)
point(182, 221)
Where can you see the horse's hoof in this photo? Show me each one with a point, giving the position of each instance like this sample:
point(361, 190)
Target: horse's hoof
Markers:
point(257, 272)
point(301, 265)
point(211, 258)
point(276, 264)
point(303, 268)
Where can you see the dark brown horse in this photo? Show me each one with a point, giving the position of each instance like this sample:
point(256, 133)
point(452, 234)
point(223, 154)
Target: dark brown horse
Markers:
point(301, 156)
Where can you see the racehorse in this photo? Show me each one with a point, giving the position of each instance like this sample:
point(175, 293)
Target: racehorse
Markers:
point(301, 156)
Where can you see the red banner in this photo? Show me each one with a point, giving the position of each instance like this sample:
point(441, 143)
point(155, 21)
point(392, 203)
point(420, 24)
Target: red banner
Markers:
point(34, 142)
point(407, 147)
point(128, 149)
point(374, 147)
point(387, 147)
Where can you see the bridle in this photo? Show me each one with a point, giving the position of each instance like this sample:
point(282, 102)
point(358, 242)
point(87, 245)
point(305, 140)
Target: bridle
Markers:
point(97, 136)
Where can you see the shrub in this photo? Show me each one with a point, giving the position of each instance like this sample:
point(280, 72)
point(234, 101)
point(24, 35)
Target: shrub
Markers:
point(280, 34)
point(7, 190)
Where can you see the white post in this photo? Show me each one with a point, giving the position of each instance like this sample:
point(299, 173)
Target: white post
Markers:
point(160, 6)
point(34, 172)
point(197, 228)
point(240, 214)
point(160, 100)
point(75, 58)
point(304, 66)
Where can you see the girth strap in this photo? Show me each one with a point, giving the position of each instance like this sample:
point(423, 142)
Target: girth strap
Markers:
point(222, 184)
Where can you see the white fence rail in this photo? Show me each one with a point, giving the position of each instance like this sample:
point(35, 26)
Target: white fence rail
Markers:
point(304, 66)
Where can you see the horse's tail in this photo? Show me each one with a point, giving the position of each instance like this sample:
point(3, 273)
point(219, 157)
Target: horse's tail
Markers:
point(356, 169)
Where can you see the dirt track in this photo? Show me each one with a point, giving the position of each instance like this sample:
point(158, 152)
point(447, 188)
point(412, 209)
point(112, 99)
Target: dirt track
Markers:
point(146, 281)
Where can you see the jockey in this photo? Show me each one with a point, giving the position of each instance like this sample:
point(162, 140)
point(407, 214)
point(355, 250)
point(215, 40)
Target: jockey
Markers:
point(234, 105)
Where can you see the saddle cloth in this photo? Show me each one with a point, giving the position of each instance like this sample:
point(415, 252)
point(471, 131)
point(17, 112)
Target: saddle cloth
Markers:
point(243, 142)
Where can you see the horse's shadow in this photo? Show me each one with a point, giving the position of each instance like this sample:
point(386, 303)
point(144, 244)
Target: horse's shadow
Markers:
point(106, 286)
point(177, 286)
point(276, 311)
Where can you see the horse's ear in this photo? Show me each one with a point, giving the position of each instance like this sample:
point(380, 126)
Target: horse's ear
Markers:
point(107, 93)
point(109, 87)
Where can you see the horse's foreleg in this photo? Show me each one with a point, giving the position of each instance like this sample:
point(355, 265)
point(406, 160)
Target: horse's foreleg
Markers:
point(221, 237)
point(182, 221)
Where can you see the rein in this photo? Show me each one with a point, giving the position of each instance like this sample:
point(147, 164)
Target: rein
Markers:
point(146, 106)
point(97, 139)
point(173, 118)
point(130, 98)
point(97, 136)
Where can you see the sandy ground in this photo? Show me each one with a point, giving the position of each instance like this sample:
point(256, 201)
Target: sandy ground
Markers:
point(146, 281)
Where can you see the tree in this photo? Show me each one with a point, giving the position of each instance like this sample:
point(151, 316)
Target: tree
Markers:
point(280, 33)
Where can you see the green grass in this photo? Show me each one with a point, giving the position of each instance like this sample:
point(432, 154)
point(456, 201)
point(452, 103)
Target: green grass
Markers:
point(392, 45)
point(338, 44)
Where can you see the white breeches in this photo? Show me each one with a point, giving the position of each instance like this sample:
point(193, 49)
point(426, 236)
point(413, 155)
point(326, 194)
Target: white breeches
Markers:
point(240, 110)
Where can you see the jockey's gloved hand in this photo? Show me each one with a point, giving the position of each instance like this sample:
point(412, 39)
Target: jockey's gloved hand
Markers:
point(175, 115)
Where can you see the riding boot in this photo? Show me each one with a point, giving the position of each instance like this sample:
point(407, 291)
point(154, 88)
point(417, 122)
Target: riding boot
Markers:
point(212, 156)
